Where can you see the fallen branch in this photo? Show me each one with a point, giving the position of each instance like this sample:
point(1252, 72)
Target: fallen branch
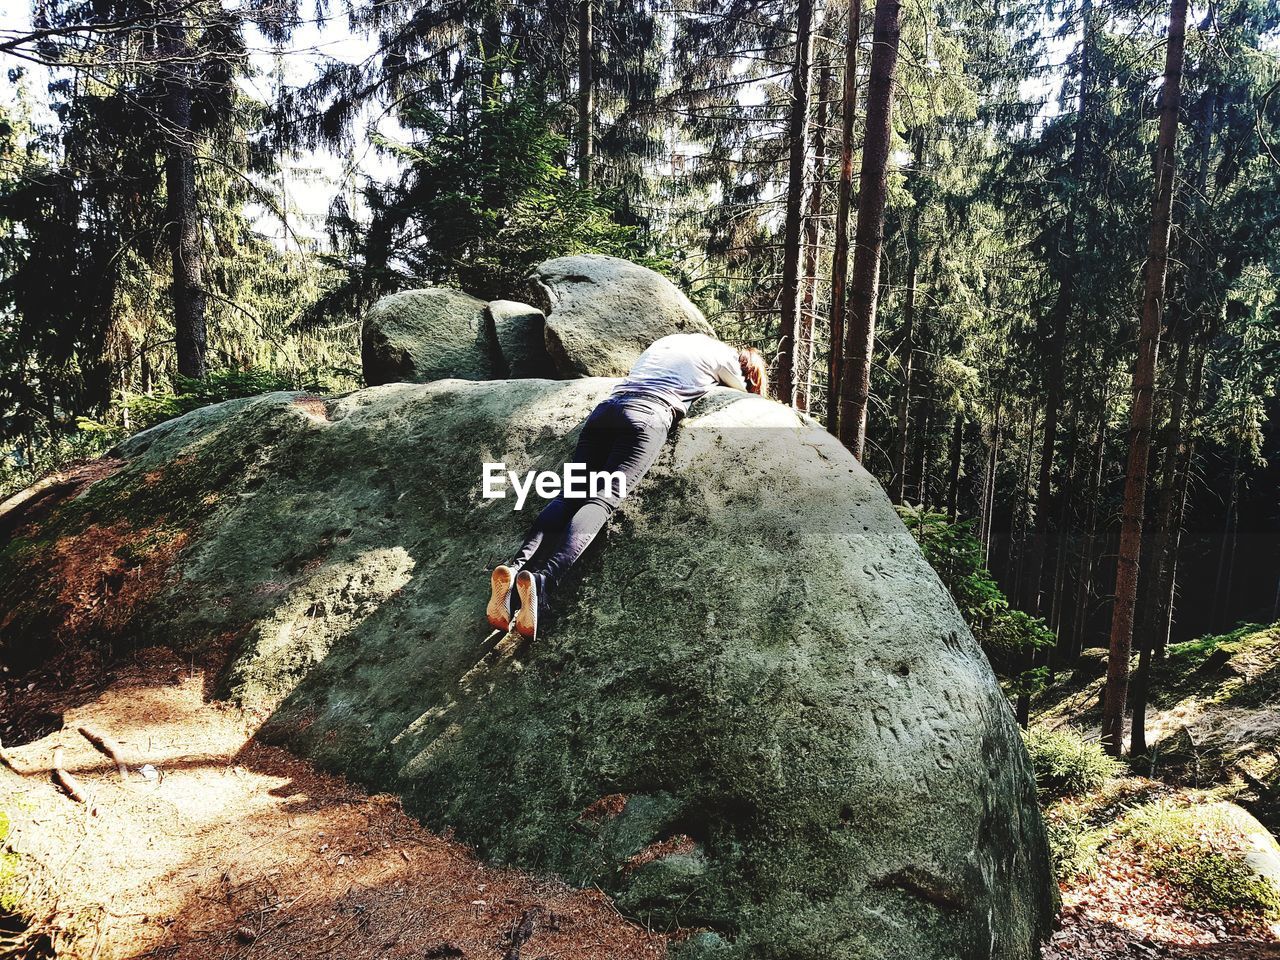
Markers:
point(108, 746)
point(522, 933)
point(69, 784)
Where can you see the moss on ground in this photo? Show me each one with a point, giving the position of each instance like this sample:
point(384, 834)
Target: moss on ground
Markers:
point(1212, 719)
point(1199, 846)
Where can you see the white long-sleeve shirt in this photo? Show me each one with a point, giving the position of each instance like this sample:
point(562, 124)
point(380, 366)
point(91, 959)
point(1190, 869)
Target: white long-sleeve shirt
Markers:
point(681, 368)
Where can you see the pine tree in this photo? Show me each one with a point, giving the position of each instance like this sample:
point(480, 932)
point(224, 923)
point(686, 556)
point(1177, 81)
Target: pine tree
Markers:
point(1144, 374)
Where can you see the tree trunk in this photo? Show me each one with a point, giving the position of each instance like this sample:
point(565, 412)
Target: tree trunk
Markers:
point(1226, 554)
point(989, 483)
point(1144, 376)
point(908, 338)
point(798, 138)
point(1164, 585)
point(812, 242)
point(1018, 518)
point(953, 472)
point(1022, 709)
point(182, 211)
point(1168, 588)
point(840, 250)
point(1087, 559)
point(1052, 610)
point(855, 387)
point(1158, 557)
point(922, 464)
point(586, 93)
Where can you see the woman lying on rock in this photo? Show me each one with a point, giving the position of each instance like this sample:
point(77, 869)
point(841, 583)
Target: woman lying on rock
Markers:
point(625, 434)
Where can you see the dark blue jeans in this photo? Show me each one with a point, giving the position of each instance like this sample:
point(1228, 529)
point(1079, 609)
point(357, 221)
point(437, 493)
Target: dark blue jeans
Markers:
point(624, 434)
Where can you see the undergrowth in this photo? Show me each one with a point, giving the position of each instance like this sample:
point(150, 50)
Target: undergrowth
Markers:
point(1195, 848)
point(35, 457)
point(1067, 765)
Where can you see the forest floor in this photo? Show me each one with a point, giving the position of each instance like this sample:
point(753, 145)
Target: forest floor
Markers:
point(230, 848)
point(1214, 731)
point(1127, 910)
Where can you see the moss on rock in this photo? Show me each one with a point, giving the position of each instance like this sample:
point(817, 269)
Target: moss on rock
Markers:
point(417, 336)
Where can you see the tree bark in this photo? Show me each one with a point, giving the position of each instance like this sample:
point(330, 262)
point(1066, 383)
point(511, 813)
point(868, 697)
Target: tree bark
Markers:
point(812, 242)
point(953, 473)
point(586, 93)
point(1144, 376)
point(1052, 611)
point(989, 482)
point(1084, 586)
point(1168, 587)
point(925, 435)
point(798, 138)
point(1226, 554)
point(840, 249)
point(855, 387)
point(182, 211)
point(1158, 557)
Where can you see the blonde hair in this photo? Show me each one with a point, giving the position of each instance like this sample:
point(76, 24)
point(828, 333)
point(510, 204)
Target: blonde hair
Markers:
point(754, 371)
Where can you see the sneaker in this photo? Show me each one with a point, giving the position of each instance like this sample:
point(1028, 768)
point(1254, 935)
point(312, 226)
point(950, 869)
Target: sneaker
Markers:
point(526, 622)
point(500, 596)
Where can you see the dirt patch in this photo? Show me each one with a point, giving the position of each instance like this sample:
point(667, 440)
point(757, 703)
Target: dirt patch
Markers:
point(313, 405)
point(105, 574)
point(606, 808)
point(33, 504)
point(91, 586)
point(228, 848)
point(678, 844)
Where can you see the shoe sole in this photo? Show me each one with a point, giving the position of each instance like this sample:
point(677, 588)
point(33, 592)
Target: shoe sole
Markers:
point(498, 612)
point(526, 622)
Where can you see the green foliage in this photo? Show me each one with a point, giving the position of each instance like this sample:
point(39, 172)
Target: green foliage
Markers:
point(483, 200)
point(1074, 843)
point(1007, 635)
point(148, 410)
point(1219, 883)
point(1067, 765)
point(42, 454)
point(28, 462)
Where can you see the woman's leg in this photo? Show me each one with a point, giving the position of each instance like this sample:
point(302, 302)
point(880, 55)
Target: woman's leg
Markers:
point(594, 446)
point(636, 443)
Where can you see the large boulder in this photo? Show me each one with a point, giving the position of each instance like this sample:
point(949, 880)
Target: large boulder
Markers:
point(520, 330)
point(759, 714)
point(603, 311)
point(417, 336)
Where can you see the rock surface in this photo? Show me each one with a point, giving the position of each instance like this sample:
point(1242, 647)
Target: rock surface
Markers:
point(417, 336)
point(520, 331)
point(603, 311)
point(815, 764)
